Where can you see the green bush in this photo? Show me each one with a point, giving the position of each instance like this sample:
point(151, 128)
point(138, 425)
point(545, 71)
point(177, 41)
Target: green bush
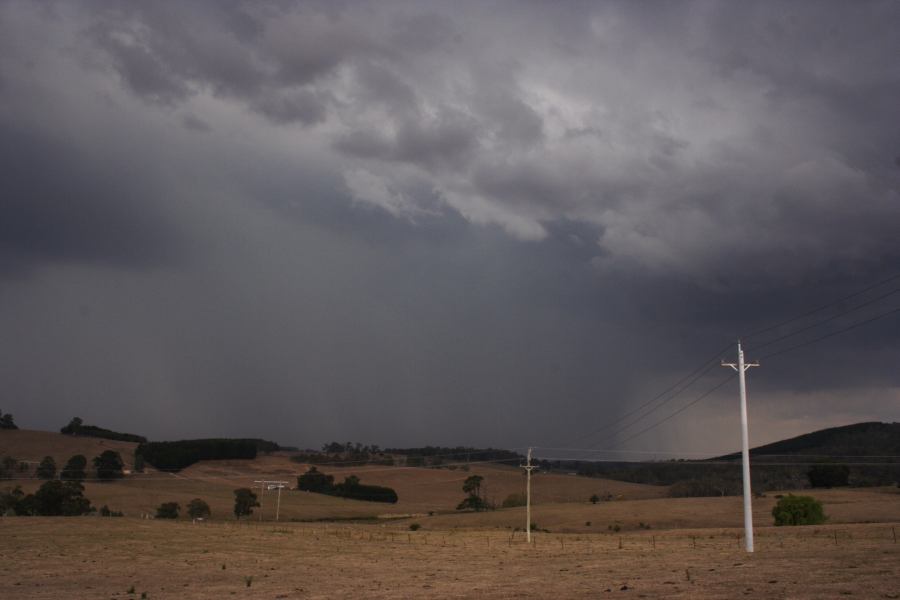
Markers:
point(514, 500)
point(414, 526)
point(798, 510)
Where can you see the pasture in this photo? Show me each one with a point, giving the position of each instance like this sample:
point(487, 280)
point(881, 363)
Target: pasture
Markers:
point(91, 557)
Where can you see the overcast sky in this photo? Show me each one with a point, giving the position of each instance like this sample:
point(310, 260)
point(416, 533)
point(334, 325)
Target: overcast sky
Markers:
point(410, 223)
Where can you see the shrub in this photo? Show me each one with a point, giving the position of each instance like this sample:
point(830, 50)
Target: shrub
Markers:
point(168, 510)
point(798, 510)
point(514, 500)
point(414, 526)
point(106, 512)
point(594, 499)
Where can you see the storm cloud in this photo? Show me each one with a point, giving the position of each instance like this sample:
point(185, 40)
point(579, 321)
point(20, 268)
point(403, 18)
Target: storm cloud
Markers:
point(413, 223)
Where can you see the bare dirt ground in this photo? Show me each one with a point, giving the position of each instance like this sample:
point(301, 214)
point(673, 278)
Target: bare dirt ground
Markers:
point(90, 557)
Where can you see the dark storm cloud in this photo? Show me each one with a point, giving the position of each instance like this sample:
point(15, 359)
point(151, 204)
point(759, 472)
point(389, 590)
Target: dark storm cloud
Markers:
point(385, 220)
point(60, 205)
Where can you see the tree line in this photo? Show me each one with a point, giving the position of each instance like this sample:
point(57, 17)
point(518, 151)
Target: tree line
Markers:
point(178, 455)
point(320, 483)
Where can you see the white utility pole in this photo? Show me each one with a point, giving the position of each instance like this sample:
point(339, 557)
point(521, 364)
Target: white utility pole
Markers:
point(528, 469)
point(741, 368)
point(266, 484)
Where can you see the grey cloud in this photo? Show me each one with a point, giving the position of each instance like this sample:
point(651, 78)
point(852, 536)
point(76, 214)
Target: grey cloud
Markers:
point(522, 214)
point(60, 205)
point(195, 123)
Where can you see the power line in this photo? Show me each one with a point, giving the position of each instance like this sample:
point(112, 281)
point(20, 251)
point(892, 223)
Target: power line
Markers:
point(828, 320)
point(832, 334)
point(752, 334)
point(680, 410)
point(820, 308)
point(699, 372)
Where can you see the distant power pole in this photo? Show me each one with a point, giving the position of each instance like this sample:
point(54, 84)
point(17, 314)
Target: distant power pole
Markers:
point(741, 368)
point(528, 469)
point(271, 485)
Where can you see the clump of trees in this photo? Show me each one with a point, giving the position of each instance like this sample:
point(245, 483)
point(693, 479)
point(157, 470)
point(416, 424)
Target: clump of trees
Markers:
point(6, 421)
point(168, 510)
point(77, 427)
point(474, 499)
point(244, 502)
point(105, 511)
point(53, 498)
point(704, 487)
point(828, 475)
point(436, 456)
point(798, 510)
point(347, 453)
point(320, 483)
point(174, 456)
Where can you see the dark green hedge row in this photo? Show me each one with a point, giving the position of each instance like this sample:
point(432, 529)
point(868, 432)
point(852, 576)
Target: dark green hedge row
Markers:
point(174, 456)
point(99, 432)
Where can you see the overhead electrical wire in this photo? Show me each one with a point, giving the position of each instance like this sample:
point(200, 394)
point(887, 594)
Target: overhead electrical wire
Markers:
point(820, 308)
point(752, 334)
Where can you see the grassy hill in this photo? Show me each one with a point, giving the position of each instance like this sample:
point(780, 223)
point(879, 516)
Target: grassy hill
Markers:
point(864, 440)
point(32, 446)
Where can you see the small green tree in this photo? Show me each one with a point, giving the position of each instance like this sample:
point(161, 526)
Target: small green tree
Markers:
point(6, 421)
point(316, 481)
point(198, 509)
point(74, 469)
point(47, 468)
point(244, 501)
point(109, 465)
point(473, 501)
point(168, 510)
point(798, 510)
point(74, 426)
point(594, 499)
point(138, 463)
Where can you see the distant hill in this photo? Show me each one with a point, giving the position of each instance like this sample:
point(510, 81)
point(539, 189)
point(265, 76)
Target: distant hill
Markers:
point(32, 446)
point(870, 450)
point(870, 439)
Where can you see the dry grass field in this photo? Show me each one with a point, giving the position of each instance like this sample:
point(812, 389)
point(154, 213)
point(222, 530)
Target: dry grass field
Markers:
point(33, 446)
point(44, 558)
point(641, 544)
